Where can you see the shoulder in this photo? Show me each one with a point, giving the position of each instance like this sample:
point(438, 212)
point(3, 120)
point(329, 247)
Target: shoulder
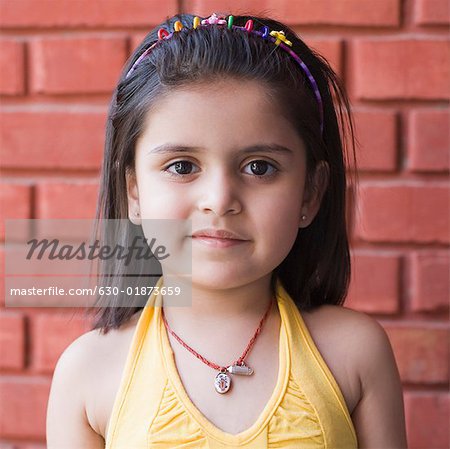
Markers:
point(66, 412)
point(77, 361)
point(358, 336)
point(78, 352)
point(86, 349)
point(360, 343)
point(87, 367)
point(346, 322)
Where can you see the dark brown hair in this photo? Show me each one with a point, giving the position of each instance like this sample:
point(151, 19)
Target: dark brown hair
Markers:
point(317, 269)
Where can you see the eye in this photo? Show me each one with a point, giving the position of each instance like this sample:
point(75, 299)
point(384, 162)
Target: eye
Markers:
point(259, 168)
point(182, 168)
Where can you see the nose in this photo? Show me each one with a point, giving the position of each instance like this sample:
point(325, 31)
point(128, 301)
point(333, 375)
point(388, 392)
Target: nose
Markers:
point(219, 194)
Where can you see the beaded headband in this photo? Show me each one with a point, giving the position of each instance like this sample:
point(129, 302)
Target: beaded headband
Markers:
point(277, 37)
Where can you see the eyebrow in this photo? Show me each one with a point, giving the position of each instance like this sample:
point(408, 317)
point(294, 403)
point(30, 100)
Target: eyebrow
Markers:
point(271, 148)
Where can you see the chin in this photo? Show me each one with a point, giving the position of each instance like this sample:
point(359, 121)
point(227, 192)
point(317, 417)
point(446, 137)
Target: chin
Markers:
point(213, 282)
point(220, 277)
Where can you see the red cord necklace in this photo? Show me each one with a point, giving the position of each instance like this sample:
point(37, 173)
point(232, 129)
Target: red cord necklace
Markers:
point(222, 381)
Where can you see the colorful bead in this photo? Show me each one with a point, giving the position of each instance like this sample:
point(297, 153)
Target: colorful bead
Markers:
point(162, 33)
point(265, 32)
point(280, 37)
point(214, 19)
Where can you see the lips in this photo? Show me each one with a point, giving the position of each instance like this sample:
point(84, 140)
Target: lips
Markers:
point(221, 234)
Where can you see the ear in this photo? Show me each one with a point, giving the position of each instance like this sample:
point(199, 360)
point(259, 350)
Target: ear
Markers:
point(134, 213)
point(313, 194)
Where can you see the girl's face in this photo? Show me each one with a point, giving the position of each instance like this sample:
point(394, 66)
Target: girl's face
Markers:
point(221, 156)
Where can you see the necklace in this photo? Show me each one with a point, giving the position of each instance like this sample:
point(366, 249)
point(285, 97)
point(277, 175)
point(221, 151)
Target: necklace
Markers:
point(222, 381)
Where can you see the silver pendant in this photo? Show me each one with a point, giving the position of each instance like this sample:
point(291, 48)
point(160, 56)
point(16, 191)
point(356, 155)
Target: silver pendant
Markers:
point(240, 369)
point(222, 382)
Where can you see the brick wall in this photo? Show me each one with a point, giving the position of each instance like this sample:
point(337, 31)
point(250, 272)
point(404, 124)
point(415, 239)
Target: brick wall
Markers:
point(59, 60)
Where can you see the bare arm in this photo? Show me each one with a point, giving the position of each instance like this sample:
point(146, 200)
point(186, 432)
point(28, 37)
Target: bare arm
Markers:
point(379, 415)
point(67, 423)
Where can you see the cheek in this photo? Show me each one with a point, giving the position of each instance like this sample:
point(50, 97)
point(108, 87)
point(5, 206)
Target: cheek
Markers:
point(276, 238)
point(161, 203)
point(280, 209)
point(278, 220)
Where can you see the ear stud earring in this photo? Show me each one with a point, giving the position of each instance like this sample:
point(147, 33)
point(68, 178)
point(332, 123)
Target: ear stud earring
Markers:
point(302, 218)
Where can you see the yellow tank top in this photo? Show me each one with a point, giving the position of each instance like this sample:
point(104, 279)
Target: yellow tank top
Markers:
point(153, 411)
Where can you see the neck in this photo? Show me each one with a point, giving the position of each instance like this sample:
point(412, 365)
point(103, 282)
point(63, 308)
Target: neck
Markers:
point(202, 308)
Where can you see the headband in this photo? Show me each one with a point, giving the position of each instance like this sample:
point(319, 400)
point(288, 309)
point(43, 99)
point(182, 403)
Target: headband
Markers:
point(277, 37)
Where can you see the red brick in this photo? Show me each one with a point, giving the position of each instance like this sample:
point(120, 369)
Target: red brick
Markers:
point(375, 283)
point(32, 446)
point(421, 352)
point(12, 340)
point(61, 138)
point(84, 13)
point(15, 200)
point(331, 49)
point(2, 277)
point(306, 12)
point(4, 445)
point(429, 140)
point(27, 399)
point(376, 132)
point(427, 417)
point(76, 65)
point(389, 69)
point(429, 280)
point(432, 12)
point(51, 334)
point(413, 212)
point(66, 200)
point(15, 203)
point(12, 78)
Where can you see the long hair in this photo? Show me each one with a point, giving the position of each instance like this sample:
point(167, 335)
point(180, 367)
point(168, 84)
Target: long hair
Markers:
point(317, 269)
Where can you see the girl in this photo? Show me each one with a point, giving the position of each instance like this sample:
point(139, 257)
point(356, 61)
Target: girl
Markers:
point(234, 126)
